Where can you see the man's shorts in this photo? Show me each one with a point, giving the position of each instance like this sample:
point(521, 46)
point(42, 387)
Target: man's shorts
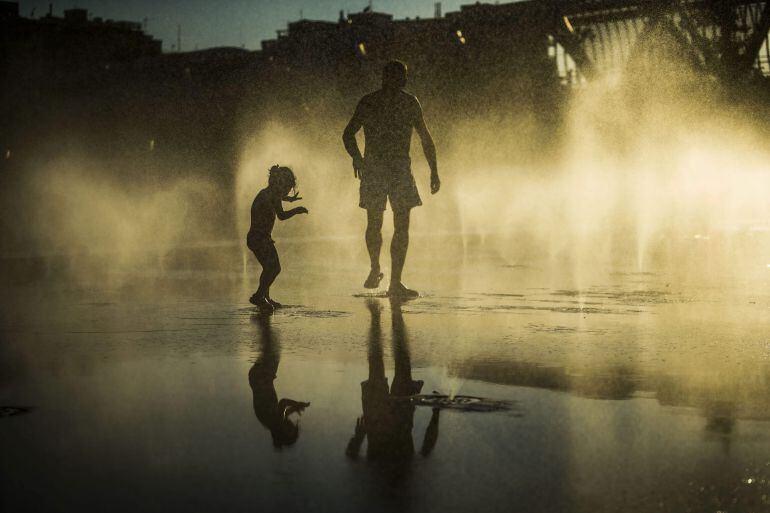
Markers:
point(385, 179)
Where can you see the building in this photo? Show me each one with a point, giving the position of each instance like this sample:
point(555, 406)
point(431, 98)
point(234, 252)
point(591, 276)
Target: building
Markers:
point(51, 47)
point(483, 57)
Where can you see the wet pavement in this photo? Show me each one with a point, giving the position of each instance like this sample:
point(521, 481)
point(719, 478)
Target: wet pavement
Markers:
point(159, 391)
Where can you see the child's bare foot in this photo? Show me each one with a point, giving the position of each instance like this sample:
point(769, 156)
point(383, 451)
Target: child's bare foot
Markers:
point(274, 303)
point(373, 280)
point(399, 291)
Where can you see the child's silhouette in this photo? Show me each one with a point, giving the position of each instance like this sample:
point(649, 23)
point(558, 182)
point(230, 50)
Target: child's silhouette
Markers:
point(265, 208)
point(272, 413)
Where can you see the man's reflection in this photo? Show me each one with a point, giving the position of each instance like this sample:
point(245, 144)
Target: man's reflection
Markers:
point(388, 414)
point(272, 413)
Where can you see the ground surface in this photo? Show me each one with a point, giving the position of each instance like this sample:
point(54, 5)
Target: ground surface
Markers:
point(629, 392)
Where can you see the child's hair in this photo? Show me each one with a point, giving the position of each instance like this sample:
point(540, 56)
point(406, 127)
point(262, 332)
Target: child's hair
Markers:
point(281, 176)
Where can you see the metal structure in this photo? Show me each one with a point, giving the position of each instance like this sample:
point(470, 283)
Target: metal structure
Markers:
point(504, 45)
point(725, 38)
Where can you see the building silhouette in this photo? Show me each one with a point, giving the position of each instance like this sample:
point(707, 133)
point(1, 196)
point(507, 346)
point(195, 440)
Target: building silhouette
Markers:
point(52, 47)
point(77, 81)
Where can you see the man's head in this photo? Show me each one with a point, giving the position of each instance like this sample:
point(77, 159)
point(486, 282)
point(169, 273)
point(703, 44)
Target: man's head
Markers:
point(281, 179)
point(394, 75)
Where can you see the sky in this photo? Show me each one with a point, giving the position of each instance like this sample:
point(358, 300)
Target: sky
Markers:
point(207, 24)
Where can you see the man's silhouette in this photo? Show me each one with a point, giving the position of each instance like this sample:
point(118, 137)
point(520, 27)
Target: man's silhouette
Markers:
point(387, 117)
point(388, 415)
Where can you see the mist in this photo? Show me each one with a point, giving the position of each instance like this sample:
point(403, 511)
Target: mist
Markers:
point(645, 173)
point(650, 169)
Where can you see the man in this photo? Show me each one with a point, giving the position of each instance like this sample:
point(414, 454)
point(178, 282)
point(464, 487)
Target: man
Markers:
point(388, 415)
point(387, 117)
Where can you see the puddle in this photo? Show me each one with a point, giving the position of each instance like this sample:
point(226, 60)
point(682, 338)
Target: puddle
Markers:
point(461, 402)
point(10, 411)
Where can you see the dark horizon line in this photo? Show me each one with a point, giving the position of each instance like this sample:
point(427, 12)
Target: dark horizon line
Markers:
point(278, 32)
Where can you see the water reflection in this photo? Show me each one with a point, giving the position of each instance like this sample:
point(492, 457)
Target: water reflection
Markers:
point(388, 415)
point(610, 382)
point(275, 415)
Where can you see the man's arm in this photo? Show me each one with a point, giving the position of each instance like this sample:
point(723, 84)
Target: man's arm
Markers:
point(349, 139)
point(428, 148)
point(283, 215)
point(354, 445)
point(431, 434)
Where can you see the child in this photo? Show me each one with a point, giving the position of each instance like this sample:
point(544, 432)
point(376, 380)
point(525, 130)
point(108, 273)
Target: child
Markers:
point(275, 415)
point(265, 208)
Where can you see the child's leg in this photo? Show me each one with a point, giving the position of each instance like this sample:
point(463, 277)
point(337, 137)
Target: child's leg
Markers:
point(271, 267)
point(276, 272)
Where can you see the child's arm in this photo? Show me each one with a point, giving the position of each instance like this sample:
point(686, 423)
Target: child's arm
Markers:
point(283, 215)
point(289, 406)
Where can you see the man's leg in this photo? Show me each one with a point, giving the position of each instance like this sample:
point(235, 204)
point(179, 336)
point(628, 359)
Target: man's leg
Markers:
point(373, 245)
point(399, 245)
point(375, 357)
point(403, 384)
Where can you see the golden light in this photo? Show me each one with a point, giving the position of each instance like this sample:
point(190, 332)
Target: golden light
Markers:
point(568, 24)
point(362, 48)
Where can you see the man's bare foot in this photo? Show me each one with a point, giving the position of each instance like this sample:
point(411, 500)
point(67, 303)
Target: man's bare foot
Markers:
point(275, 304)
point(374, 306)
point(399, 291)
point(373, 280)
point(261, 303)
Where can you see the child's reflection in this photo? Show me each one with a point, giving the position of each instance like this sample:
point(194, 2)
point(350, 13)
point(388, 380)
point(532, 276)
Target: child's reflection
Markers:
point(272, 413)
point(388, 415)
